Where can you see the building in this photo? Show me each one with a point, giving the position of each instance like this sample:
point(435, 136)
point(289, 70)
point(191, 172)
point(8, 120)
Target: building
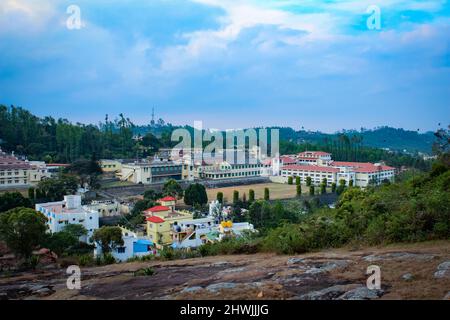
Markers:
point(109, 208)
point(318, 166)
point(134, 245)
point(109, 165)
point(161, 219)
point(19, 173)
point(69, 211)
point(313, 157)
point(53, 169)
point(316, 173)
point(146, 172)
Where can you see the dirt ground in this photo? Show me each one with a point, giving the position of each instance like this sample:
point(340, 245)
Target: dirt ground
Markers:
point(407, 272)
point(277, 191)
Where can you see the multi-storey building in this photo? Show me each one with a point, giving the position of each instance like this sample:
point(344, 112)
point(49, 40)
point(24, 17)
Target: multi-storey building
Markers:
point(146, 172)
point(69, 211)
point(318, 165)
point(19, 173)
point(161, 219)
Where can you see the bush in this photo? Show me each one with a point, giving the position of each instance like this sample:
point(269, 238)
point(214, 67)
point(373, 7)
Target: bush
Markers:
point(86, 260)
point(144, 272)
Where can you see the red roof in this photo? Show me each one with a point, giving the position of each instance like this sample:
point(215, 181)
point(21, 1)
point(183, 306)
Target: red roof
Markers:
point(155, 219)
point(310, 168)
point(362, 167)
point(287, 159)
point(311, 154)
point(168, 198)
point(157, 209)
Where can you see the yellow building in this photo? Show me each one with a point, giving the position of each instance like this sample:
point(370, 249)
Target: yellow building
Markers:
point(160, 220)
point(110, 165)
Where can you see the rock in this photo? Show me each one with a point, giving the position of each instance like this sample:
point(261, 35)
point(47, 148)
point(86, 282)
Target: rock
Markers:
point(325, 294)
point(220, 264)
point(219, 286)
point(233, 270)
point(260, 295)
point(191, 289)
point(447, 296)
point(362, 293)
point(443, 270)
point(399, 255)
point(44, 292)
point(327, 266)
point(292, 261)
point(407, 276)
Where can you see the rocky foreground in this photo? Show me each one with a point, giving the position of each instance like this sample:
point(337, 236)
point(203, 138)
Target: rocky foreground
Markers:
point(416, 271)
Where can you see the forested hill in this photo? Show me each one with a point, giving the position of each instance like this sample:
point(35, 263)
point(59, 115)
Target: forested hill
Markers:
point(58, 140)
point(382, 137)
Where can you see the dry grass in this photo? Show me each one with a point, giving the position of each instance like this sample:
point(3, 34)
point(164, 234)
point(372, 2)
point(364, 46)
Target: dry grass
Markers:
point(277, 191)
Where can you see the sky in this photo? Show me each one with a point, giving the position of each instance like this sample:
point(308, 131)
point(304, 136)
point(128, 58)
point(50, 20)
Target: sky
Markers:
point(317, 64)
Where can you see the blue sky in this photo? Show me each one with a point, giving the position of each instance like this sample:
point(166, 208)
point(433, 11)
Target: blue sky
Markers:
point(230, 63)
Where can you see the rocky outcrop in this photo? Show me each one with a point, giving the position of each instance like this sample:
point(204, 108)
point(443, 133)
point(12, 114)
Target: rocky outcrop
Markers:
point(443, 270)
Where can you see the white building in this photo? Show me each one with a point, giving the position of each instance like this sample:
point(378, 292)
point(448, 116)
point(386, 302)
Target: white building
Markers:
point(145, 172)
point(69, 211)
point(133, 246)
point(361, 173)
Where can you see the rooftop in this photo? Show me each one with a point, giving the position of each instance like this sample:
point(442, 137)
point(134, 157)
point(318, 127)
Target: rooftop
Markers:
point(310, 168)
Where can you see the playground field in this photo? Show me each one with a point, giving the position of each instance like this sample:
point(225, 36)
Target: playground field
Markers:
point(277, 191)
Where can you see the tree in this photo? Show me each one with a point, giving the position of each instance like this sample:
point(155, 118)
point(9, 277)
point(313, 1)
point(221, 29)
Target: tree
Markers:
point(324, 181)
point(195, 194)
point(108, 238)
point(308, 181)
point(333, 187)
point(61, 242)
point(31, 194)
point(87, 172)
point(323, 188)
point(299, 190)
point(76, 230)
point(54, 189)
point(266, 194)
point(311, 190)
point(11, 200)
point(220, 197)
point(297, 180)
point(244, 198)
point(23, 230)
point(235, 196)
point(173, 188)
point(251, 195)
point(151, 195)
point(290, 180)
point(350, 183)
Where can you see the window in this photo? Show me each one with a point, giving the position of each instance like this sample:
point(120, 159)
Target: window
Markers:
point(121, 250)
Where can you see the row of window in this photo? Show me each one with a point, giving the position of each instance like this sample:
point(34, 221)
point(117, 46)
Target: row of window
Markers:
point(16, 181)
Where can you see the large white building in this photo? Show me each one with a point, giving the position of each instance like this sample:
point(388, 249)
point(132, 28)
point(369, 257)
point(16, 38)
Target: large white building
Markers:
point(147, 172)
point(69, 211)
point(318, 165)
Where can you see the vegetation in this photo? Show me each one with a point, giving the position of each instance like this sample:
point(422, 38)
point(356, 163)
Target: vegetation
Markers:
point(195, 194)
point(220, 197)
point(173, 188)
point(266, 194)
point(11, 200)
point(251, 195)
point(23, 230)
point(108, 238)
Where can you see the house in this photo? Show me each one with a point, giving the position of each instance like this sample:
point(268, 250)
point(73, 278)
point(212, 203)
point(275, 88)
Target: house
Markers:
point(133, 246)
point(69, 211)
point(110, 165)
point(161, 218)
